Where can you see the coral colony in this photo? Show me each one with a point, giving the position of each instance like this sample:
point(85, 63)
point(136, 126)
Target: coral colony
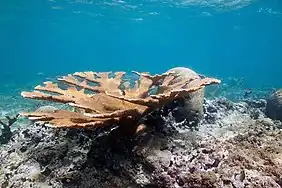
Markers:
point(106, 98)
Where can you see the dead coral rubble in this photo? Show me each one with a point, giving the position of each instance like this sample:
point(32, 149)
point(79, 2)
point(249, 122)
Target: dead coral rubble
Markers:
point(107, 98)
point(232, 148)
point(6, 131)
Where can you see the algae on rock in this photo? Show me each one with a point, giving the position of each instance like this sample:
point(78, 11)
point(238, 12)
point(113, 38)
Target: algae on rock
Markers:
point(274, 105)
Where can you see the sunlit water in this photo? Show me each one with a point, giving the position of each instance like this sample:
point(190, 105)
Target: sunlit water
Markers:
point(226, 39)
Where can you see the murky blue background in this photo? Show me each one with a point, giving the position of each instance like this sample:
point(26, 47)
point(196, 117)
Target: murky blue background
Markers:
point(40, 38)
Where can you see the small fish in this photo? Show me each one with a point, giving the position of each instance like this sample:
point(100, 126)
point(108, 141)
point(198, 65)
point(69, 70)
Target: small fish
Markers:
point(202, 76)
point(247, 92)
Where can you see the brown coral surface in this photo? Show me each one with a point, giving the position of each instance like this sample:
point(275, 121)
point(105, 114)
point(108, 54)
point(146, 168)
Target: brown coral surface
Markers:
point(107, 98)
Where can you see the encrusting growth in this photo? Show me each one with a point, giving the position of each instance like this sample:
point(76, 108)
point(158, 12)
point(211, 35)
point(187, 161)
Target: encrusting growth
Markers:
point(106, 98)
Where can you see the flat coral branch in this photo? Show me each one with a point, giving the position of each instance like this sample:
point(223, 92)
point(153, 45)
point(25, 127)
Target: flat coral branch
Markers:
point(106, 98)
point(64, 118)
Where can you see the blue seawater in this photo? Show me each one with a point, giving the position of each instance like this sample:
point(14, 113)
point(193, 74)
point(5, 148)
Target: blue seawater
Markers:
point(41, 39)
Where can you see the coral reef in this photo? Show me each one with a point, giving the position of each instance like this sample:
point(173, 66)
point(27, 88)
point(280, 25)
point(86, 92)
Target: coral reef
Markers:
point(235, 145)
point(274, 105)
point(105, 98)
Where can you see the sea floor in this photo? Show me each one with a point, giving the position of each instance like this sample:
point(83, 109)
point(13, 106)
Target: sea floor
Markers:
point(236, 145)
